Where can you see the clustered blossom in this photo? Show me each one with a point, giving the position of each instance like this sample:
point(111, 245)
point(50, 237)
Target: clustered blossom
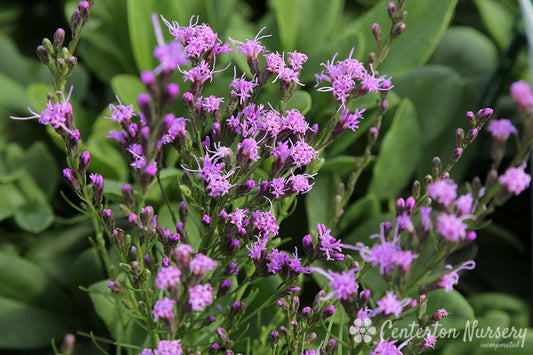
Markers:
point(501, 129)
point(165, 347)
point(200, 296)
point(450, 279)
point(344, 285)
point(515, 180)
point(349, 78)
point(164, 308)
point(197, 40)
point(522, 95)
point(168, 277)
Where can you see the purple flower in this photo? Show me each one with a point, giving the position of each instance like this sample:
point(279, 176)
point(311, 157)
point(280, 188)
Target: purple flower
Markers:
point(369, 83)
point(344, 284)
point(299, 183)
point(464, 204)
point(302, 153)
point(429, 341)
point(515, 180)
point(501, 129)
point(451, 227)
point(274, 62)
point(168, 277)
point(200, 296)
point(522, 95)
point(164, 308)
point(120, 113)
point(201, 264)
point(278, 259)
point(389, 304)
point(178, 128)
point(387, 348)
point(328, 244)
point(278, 186)
point(266, 223)
point(349, 120)
point(139, 160)
point(248, 149)
point(445, 191)
point(170, 55)
point(147, 351)
point(447, 281)
point(295, 122)
point(212, 103)
point(426, 218)
point(270, 122)
point(198, 74)
point(243, 88)
point(239, 218)
point(251, 48)
point(296, 60)
point(168, 347)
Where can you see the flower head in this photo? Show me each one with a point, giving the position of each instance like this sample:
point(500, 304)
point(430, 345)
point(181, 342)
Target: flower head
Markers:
point(515, 180)
point(200, 296)
point(501, 129)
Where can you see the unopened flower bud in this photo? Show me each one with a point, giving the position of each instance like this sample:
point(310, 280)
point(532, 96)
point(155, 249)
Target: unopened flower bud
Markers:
point(273, 338)
point(72, 61)
point(328, 311)
point(308, 247)
point(147, 215)
point(169, 96)
point(428, 180)
point(371, 57)
point(145, 104)
point(85, 159)
point(307, 312)
point(127, 194)
point(109, 219)
point(134, 220)
point(188, 100)
point(311, 337)
point(459, 137)
point(223, 335)
point(295, 326)
point(59, 38)
point(376, 31)
point(216, 132)
point(472, 134)
point(75, 21)
point(214, 348)
point(456, 155)
point(285, 332)
point(410, 204)
point(391, 9)
point(84, 9)
point(206, 221)
point(42, 54)
point(98, 188)
point(150, 82)
point(471, 236)
point(49, 47)
point(316, 301)
point(330, 347)
point(398, 30)
point(435, 166)
point(113, 286)
point(373, 134)
point(471, 118)
point(441, 313)
point(400, 205)
point(233, 246)
point(289, 291)
point(224, 287)
point(415, 191)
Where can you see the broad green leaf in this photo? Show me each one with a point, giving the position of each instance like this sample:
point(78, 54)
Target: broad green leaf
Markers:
point(169, 177)
point(460, 310)
point(300, 100)
point(494, 300)
point(467, 51)
point(34, 214)
point(342, 165)
point(319, 201)
point(7, 192)
point(24, 327)
point(42, 167)
point(107, 160)
point(398, 155)
point(426, 23)
point(127, 88)
point(435, 92)
point(360, 210)
point(287, 16)
point(316, 20)
point(105, 44)
point(27, 282)
point(498, 20)
point(141, 30)
point(12, 95)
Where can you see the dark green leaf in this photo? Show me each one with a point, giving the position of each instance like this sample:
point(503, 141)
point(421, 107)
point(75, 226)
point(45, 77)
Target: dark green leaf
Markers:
point(27, 327)
point(141, 30)
point(319, 201)
point(498, 20)
point(399, 153)
point(300, 100)
point(127, 87)
point(435, 92)
point(460, 310)
point(287, 18)
point(42, 167)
